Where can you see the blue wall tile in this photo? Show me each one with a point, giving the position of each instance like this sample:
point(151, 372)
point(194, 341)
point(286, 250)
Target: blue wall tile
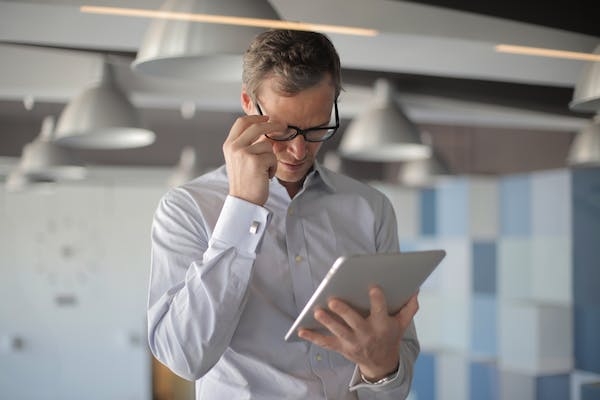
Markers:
point(408, 245)
point(484, 267)
point(586, 237)
point(424, 382)
point(483, 381)
point(452, 208)
point(484, 326)
point(590, 391)
point(553, 387)
point(515, 205)
point(551, 203)
point(428, 218)
point(586, 338)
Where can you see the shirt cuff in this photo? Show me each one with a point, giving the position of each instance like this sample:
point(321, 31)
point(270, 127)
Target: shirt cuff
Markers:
point(357, 383)
point(241, 224)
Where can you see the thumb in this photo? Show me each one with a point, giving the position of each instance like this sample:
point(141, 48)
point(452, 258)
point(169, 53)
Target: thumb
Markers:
point(272, 170)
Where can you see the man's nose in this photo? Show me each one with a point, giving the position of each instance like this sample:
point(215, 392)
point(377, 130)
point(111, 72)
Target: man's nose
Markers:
point(297, 147)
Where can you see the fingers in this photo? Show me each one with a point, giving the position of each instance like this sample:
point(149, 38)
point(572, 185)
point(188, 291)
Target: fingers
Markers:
point(345, 317)
point(325, 341)
point(340, 333)
point(336, 323)
point(408, 311)
point(379, 307)
point(372, 342)
point(249, 158)
point(248, 129)
point(242, 124)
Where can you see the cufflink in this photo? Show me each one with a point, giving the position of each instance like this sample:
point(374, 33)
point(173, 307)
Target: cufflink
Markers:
point(254, 227)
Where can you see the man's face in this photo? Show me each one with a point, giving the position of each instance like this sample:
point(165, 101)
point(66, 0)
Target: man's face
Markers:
point(309, 108)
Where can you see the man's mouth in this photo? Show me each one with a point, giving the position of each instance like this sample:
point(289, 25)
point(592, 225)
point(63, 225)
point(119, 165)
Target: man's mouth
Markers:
point(292, 164)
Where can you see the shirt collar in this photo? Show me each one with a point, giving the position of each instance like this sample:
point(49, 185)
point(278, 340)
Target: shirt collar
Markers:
point(316, 175)
point(323, 174)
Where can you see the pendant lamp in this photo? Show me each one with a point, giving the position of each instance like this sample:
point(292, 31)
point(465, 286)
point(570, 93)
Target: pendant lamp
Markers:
point(422, 173)
point(586, 96)
point(194, 51)
point(102, 117)
point(585, 149)
point(187, 168)
point(383, 132)
point(18, 181)
point(44, 159)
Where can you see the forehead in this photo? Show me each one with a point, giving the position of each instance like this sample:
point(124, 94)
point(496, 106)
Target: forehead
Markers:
point(309, 107)
point(270, 91)
point(276, 85)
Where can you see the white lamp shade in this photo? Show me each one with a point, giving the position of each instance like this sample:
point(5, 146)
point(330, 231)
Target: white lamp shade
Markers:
point(196, 51)
point(102, 117)
point(585, 149)
point(18, 181)
point(44, 159)
point(422, 173)
point(383, 132)
point(586, 96)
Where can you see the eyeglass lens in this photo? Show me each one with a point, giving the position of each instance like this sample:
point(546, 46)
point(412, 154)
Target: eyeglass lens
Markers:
point(316, 134)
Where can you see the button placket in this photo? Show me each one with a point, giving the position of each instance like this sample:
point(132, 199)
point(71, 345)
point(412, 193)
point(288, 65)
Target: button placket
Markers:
point(296, 252)
point(318, 361)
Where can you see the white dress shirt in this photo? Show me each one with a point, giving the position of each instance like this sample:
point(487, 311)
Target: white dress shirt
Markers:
point(229, 277)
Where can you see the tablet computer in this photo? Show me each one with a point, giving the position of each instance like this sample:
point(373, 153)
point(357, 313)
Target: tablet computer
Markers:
point(399, 275)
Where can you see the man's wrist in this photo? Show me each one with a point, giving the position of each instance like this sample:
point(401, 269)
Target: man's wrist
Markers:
point(380, 381)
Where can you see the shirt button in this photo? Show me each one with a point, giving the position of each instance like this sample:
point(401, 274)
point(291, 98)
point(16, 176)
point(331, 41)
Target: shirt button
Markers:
point(319, 357)
point(290, 211)
point(298, 259)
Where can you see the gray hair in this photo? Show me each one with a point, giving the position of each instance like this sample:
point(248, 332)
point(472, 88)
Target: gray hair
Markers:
point(299, 59)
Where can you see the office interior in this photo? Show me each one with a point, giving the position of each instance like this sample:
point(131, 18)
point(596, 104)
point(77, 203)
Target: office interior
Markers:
point(503, 96)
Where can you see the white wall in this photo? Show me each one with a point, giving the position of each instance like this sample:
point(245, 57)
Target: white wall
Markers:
point(87, 244)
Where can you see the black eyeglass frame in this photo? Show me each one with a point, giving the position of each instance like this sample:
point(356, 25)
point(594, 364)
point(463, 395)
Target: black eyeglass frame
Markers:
point(303, 132)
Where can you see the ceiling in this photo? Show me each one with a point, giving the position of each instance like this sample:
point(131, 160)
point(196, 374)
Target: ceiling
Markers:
point(487, 112)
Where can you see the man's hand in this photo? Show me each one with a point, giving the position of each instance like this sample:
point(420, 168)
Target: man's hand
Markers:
point(249, 158)
point(373, 343)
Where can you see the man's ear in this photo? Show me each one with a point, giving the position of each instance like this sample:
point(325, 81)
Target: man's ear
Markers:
point(247, 103)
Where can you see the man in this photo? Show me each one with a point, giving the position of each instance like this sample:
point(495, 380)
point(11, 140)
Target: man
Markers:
point(237, 253)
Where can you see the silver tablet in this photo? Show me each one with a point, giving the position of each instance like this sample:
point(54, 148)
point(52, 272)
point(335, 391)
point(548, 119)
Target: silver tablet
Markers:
point(399, 275)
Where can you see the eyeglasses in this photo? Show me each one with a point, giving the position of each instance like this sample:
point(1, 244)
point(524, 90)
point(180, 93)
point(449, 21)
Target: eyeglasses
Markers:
point(315, 134)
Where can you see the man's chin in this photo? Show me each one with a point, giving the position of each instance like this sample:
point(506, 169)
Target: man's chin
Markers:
point(298, 170)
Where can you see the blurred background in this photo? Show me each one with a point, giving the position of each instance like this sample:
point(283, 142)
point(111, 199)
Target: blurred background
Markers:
point(477, 119)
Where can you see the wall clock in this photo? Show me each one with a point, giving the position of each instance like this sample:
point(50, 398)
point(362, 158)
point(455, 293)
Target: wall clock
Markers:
point(67, 252)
